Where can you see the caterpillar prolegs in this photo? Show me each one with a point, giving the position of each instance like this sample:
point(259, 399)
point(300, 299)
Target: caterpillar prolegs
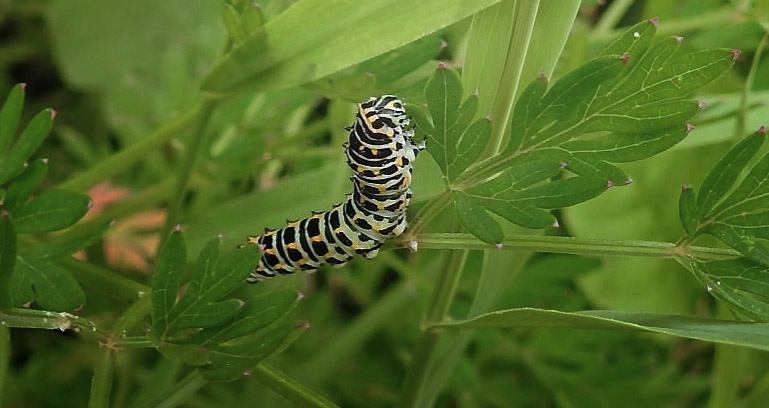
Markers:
point(380, 152)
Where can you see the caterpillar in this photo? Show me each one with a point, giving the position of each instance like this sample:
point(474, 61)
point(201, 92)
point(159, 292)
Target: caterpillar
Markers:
point(380, 152)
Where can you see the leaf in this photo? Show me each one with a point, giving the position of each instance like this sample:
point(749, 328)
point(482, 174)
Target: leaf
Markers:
point(21, 188)
point(30, 139)
point(166, 278)
point(257, 313)
point(741, 282)
point(55, 289)
point(7, 259)
point(210, 282)
point(10, 115)
point(753, 335)
point(687, 209)
point(732, 203)
point(475, 219)
point(190, 354)
point(315, 38)
point(51, 211)
point(230, 361)
point(66, 244)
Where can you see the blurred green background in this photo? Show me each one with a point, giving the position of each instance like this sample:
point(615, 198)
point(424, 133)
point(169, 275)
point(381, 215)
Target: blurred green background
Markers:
point(118, 70)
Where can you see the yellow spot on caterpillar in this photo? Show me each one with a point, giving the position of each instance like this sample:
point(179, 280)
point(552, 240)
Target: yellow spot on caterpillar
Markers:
point(399, 162)
point(301, 261)
point(376, 172)
point(291, 245)
point(337, 231)
point(374, 151)
point(317, 239)
point(361, 169)
point(382, 189)
point(362, 199)
point(361, 147)
point(381, 206)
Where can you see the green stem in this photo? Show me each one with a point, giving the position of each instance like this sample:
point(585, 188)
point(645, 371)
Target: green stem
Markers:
point(101, 383)
point(431, 209)
point(571, 245)
point(188, 164)
point(289, 388)
point(426, 349)
point(525, 16)
point(180, 392)
point(5, 356)
point(119, 162)
point(42, 319)
point(612, 16)
point(739, 130)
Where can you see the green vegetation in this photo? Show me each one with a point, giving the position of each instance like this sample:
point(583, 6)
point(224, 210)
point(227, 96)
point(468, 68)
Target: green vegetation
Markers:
point(589, 224)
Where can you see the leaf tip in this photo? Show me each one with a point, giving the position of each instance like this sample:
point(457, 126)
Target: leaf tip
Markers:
point(541, 76)
point(685, 187)
point(112, 222)
point(78, 309)
point(178, 228)
point(476, 93)
point(4, 214)
point(220, 236)
point(241, 303)
point(90, 203)
point(564, 165)
point(53, 113)
point(701, 105)
point(442, 66)
point(299, 296)
point(625, 58)
point(413, 245)
point(679, 39)
point(444, 45)
point(690, 128)
point(655, 21)
point(498, 245)
point(490, 118)
point(23, 86)
point(609, 183)
point(247, 373)
point(369, 74)
point(303, 325)
point(629, 181)
point(762, 130)
point(44, 160)
point(555, 225)
point(736, 54)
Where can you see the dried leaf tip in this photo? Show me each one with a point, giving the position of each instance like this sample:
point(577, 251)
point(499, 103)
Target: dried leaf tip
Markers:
point(655, 21)
point(23, 85)
point(178, 228)
point(4, 214)
point(625, 58)
point(241, 303)
point(736, 54)
point(78, 309)
point(541, 76)
point(490, 118)
point(685, 187)
point(762, 130)
point(498, 245)
point(444, 44)
point(303, 325)
point(413, 245)
point(476, 92)
point(53, 113)
point(90, 203)
point(369, 74)
point(220, 236)
point(555, 225)
point(609, 184)
point(44, 160)
point(442, 66)
point(629, 181)
point(247, 373)
point(679, 39)
point(564, 165)
point(690, 128)
point(299, 295)
point(701, 105)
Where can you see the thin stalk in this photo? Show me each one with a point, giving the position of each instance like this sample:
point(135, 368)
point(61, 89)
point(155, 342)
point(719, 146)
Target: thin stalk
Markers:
point(289, 388)
point(119, 162)
point(187, 165)
point(41, 319)
point(5, 356)
point(574, 246)
point(431, 209)
point(525, 16)
point(101, 383)
point(739, 129)
point(180, 392)
point(614, 13)
point(425, 352)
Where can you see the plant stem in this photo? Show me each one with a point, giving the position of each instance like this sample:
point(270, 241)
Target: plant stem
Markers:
point(575, 246)
point(101, 383)
point(182, 391)
point(289, 388)
point(188, 164)
point(119, 162)
point(614, 13)
point(739, 129)
point(431, 209)
point(42, 319)
point(425, 352)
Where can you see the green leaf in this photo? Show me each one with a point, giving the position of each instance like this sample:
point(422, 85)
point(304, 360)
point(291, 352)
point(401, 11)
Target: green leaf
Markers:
point(230, 361)
point(732, 205)
point(190, 354)
point(252, 17)
point(475, 219)
point(10, 115)
point(233, 24)
point(257, 313)
point(741, 282)
point(21, 288)
point(206, 315)
point(51, 211)
point(55, 288)
point(315, 38)
point(30, 139)
point(7, 259)
point(21, 188)
point(469, 147)
point(753, 335)
point(687, 210)
point(166, 278)
point(65, 244)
